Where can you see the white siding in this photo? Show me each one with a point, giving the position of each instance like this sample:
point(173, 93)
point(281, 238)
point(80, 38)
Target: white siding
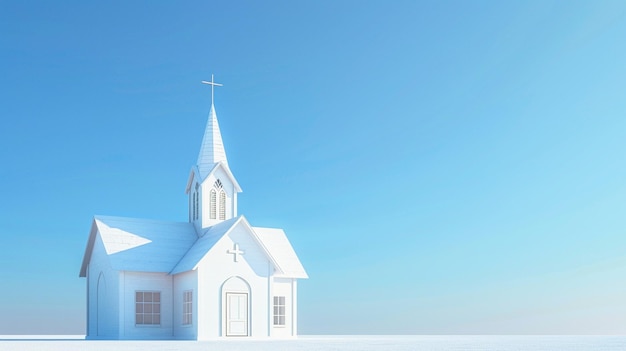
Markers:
point(284, 287)
point(102, 315)
point(184, 282)
point(141, 281)
point(217, 267)
point(294, 306)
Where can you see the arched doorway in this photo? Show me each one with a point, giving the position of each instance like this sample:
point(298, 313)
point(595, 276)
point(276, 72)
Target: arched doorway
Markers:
point(235, 307)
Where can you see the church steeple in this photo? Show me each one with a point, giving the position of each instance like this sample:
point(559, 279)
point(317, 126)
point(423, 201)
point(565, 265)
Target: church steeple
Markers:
point(212, 188)
point(212, 148)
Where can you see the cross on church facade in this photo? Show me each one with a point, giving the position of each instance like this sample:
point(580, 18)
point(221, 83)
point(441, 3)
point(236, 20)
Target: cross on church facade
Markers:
point(235, 252)
point(213, 85)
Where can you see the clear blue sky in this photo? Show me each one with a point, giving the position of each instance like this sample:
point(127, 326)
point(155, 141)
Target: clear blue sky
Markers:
point(439, 166)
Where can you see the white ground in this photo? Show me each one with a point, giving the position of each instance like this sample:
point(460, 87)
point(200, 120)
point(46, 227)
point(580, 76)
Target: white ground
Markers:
point(338, 343)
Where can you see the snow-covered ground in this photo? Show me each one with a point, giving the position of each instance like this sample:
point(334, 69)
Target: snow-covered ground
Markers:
point(336, 343)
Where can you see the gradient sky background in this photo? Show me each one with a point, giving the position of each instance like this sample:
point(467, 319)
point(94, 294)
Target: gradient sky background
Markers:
point(439, 166)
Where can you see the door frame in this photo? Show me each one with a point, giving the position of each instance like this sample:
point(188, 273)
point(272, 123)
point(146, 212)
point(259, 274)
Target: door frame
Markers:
point(247, 314)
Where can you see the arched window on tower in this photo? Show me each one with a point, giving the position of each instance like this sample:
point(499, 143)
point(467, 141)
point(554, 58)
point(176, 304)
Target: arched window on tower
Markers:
point(222, 205)
point(193, 206)
point(212, 204)
point(197, 200)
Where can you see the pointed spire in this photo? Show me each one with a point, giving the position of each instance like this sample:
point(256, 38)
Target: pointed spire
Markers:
point(212, 148)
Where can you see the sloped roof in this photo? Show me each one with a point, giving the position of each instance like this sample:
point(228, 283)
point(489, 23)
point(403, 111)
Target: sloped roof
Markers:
point(195, 172)
point(203, 245)
point(212, 149)
point(276, 242)
point(142, 245)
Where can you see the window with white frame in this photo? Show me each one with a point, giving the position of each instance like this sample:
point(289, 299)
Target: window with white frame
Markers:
point(222, 205)
point(193, 205)
point(279, 310)
point(212, 204)
point(147, 307)
point(187, 307)
point(197, 202)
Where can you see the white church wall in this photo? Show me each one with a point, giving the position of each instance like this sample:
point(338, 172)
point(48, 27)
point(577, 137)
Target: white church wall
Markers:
point(284, 287)
point(183, 282)
point(102, 287)
point(294, 307)
point(132, 282)
point(216, 268)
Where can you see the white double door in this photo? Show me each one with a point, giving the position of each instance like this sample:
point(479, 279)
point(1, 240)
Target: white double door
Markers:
point(237, 314)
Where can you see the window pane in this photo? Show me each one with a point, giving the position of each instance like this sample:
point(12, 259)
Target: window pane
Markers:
point(281, 320)
point(147, 297)
point(156, 319)
point(139, 318)
point(157, 297)
point(147, 308)
point(139, 308)
point(157, 308)
point(139, 296)
point(281, 300)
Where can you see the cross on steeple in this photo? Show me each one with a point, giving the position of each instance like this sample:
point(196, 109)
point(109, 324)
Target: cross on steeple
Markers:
point(235, 252)
point(213, 85)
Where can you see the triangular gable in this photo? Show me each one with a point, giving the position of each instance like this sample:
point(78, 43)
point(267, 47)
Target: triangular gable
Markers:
point(276, 242)
point(213, 235)
point(195, 174)
point(140, 245)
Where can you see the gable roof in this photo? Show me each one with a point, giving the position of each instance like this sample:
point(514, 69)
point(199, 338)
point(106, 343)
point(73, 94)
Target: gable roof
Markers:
point(276, 242)
point(195, 172)
point(142, 245)
point(204, 244)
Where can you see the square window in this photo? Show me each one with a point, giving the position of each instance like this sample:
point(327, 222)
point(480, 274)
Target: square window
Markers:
point(147, 308)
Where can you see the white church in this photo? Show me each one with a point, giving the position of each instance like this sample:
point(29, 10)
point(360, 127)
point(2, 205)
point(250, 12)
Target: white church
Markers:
point(213, 276)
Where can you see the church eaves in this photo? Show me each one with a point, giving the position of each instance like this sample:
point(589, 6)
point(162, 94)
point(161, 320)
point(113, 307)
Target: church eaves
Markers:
point(212, 148)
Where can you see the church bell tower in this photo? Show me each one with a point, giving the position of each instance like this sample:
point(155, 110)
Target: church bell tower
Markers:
point(212, 189)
